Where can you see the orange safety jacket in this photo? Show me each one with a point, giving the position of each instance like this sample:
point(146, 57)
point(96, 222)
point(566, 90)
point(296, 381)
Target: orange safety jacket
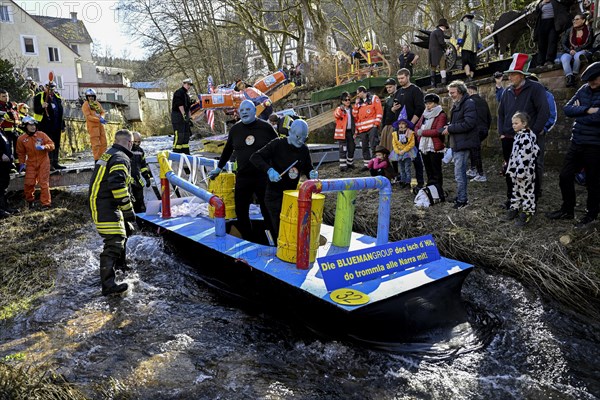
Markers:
point(368, 114)
point(341, 123)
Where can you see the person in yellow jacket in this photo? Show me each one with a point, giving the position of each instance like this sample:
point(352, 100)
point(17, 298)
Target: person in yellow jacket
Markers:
point(368, 113)
point(94, 119)
point(344, 132)
point(32, 148)
point(405, 149)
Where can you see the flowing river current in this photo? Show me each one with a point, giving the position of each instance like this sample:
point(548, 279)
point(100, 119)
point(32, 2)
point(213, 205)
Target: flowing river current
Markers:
point(174, 337)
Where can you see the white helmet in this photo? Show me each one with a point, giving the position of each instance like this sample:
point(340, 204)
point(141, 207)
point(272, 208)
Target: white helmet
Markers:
point(90, 92)
point(28, 120)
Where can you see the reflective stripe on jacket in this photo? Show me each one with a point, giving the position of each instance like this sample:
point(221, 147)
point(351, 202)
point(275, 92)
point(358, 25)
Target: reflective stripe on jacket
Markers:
point(367, 114)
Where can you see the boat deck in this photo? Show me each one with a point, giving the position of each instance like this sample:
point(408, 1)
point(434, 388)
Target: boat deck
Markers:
point(201, 230)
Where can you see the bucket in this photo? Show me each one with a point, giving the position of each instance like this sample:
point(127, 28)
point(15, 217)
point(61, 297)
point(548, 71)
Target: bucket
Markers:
point(223, 186)
point(288, 226)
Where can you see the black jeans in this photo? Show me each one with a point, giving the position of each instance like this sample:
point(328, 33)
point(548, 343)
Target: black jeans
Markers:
point(245, 187)
point(418, 163)
point(577, 157)
point(547, 42)
point(433, 167)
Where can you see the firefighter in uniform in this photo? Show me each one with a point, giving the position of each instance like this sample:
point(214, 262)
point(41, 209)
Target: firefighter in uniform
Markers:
point(139, 169)
point(9, 121)
point(48, 112)
point(112, 209)
point(181, 118)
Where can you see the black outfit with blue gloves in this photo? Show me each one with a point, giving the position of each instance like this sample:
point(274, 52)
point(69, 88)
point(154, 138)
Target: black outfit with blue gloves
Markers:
point(278, 155)
point(245, 140)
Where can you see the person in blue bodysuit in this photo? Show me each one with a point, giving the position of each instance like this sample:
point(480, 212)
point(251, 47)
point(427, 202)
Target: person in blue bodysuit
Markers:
point(247, 136)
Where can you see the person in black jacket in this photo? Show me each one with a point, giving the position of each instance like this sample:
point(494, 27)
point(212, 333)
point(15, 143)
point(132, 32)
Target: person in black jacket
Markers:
point(48, 112)
point(526, 96)
point(112, 210)
point(275, 158)
point(464, 136)
point(139, 169)
point(247, 136)
point(181, 118)
point(583, 151)
point(410, 96)
point(484, 120)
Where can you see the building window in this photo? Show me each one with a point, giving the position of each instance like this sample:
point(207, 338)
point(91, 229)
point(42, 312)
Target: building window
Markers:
point(53, 54)
point(5, 15)
point(29, 45)
point(34, 73)
point(310, 38)
point(258, 64)
point(288, 59)
point(75, 48)
point(79, 72)
point(59, 82)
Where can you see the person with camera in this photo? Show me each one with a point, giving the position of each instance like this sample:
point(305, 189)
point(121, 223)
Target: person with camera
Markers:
point(181, 118)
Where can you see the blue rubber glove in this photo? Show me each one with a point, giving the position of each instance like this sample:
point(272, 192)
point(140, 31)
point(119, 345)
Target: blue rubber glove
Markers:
point(314, 174)
point(102, 120)
point(479, 46)
point(22, 167)
point(39, 147)
point(214, 173)
point(273, 175)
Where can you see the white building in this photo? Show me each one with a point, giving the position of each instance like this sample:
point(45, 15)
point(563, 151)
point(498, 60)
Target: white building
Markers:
point(257, 67)
point(36, 51)
point(38, 44)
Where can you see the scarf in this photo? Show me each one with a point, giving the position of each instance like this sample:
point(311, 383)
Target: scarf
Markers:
point(574, 41)
point(426, 143)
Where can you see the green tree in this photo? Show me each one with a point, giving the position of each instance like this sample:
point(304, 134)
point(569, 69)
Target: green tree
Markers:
point(14, 84)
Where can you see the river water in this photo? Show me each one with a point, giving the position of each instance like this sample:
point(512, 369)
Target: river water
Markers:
point(173, 337)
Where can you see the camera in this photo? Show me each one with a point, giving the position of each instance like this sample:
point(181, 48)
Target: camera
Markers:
point(498, 74)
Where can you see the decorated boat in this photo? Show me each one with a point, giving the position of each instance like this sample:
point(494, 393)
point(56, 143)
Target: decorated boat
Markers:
point(335, 281)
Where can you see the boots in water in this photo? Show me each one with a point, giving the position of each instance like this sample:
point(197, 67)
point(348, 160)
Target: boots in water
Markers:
point(107, 277)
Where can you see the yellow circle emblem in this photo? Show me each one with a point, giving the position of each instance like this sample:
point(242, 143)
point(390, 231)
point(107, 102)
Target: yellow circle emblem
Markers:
point(349, 297)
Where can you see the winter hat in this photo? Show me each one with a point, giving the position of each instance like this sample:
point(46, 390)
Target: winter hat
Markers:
point(431, 98)
point(382, 150)
point(403, 118)
point(520, 64)
point(390, 81)
point(591, 72)
point(443, 22)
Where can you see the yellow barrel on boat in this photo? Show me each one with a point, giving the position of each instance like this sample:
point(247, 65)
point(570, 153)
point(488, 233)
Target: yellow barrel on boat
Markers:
point(223, 186)
point(288, 226)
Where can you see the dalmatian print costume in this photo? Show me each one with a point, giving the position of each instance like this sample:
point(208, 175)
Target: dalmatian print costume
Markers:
point(521, 168)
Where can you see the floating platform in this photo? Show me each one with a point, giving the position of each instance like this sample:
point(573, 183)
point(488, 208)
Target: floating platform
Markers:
point(394, 306)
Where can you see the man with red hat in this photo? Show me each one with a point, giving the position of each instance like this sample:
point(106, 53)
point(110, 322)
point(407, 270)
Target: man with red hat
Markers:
point(526, 96)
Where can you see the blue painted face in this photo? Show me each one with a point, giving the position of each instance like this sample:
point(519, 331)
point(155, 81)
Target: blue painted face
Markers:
point(298, 133)
point(247, 112)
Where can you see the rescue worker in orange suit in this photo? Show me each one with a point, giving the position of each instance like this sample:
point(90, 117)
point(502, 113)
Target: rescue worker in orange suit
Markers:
point(246, 137)
point(94, 120)
point(367, 112)
point(48, 112)
point(112, 209)
point(139, 169)
point(9, 121)
point(32, 148)
point(181, 118)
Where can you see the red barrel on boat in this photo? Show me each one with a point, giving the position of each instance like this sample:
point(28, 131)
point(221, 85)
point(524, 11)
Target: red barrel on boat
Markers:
point(270, 82)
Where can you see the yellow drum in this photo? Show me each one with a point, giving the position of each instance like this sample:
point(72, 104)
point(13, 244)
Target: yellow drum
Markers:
point(223, 186)
point(288, 226)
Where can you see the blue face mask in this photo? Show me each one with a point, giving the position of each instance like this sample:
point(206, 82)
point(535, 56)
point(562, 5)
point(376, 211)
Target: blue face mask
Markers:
point(247, 112)
point(298, 133)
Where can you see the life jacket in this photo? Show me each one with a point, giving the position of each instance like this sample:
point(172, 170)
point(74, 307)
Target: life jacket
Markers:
point(41, 95)
point(368, 114)
point(341, 123)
